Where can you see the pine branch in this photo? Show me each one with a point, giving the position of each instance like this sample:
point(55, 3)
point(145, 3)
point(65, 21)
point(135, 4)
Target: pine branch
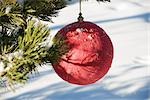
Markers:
point(27, 55)
point(13, 16)
point(43, 9)
point(30, 53)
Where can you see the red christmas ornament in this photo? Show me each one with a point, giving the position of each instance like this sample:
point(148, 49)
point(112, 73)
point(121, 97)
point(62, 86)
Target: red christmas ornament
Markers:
point(90, 54)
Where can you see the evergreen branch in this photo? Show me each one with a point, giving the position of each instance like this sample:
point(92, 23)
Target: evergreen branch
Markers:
point(30, 53)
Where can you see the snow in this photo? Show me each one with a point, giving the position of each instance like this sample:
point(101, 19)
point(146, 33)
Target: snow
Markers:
point(2, 67)
point(127, 22)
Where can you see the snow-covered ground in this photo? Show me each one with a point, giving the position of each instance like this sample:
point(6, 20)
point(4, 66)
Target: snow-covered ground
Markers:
point(127, 22)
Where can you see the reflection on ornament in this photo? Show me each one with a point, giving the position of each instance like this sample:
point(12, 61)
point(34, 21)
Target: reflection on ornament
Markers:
point(90, 54)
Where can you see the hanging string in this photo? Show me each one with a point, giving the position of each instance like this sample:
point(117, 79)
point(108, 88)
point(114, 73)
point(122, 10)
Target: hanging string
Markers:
point(80, 18)
point(80, 6)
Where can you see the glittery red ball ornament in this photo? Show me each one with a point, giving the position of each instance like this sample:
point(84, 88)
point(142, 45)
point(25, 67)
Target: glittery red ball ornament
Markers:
point(90, 54)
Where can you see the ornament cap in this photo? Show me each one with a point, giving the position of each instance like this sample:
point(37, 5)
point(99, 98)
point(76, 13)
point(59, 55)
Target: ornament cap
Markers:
point(80, 18)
